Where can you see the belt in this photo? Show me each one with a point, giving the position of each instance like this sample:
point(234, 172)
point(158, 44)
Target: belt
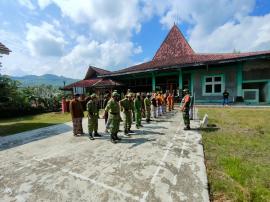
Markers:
point(114, 113)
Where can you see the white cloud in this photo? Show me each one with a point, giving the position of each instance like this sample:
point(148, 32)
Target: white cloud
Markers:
point(216, 26)
point(44, 3)
point(27, 3)
point(45, 40)
point(213, 26)
point(250, 34)
point(115, 20)
point(108, 54)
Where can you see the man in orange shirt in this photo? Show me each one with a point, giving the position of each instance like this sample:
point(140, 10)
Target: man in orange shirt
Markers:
point(170, 101)
point(185, 108)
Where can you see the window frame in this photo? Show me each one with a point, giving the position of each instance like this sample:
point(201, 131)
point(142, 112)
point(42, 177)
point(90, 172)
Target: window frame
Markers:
point(213, 83)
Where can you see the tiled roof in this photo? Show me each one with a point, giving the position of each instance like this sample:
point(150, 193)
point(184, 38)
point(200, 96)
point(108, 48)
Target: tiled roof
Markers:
point(175, 50)
point(4, 49)
point(188, 60)
point(95, 82)
point(95, 71)
point(174, 45)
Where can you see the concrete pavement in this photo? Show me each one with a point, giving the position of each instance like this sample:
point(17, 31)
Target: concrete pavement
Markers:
point(160, 162)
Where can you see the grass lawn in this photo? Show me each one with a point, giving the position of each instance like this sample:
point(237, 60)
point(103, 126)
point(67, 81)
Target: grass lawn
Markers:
point(238, 154)
point(21, 124)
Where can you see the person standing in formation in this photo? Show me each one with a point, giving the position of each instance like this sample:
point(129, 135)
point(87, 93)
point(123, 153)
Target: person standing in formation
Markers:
point(93, 114)
point(170, 102)
point(147, 104)
point(154, 105)
point(113, 109)
point(185, 108)
point(138, 110)
point(126, 108)
point(143, 107)
point(105, 101)
point(76, 112)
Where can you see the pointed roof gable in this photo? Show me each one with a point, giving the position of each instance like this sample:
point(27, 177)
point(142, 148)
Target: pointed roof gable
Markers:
point(174, 45)
point(93, 72)
point(4, 49)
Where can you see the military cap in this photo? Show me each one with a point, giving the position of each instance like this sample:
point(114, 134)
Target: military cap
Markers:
point(129, 95)
point(186, 90)
point(93, 95)
point(114, 94)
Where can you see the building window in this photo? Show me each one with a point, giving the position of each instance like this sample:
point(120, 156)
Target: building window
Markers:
point(213, 85)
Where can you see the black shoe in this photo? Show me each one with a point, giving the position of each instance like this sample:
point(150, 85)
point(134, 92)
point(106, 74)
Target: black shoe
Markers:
point(97, 135)
point(91, 137)
point(130, 131)
point(137, 127)
point(187, 128)
point(113, 140)
point(117, 138)
point(141, 125)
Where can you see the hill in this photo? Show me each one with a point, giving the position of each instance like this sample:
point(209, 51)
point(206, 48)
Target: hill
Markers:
point(47, 79)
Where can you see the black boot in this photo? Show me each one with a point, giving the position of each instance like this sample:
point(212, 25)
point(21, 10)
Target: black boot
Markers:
point(187, 127)
point(113, 140)
point(97, 135)
point(116, 137)
point(91, 136)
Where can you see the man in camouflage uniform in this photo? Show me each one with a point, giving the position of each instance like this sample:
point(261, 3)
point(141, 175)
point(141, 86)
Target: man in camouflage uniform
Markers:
point(131, 102)
point(113, 109)
point(138, 110)
point(93, 114)
point(147, 105)
point(126, 108)
point(185, 108)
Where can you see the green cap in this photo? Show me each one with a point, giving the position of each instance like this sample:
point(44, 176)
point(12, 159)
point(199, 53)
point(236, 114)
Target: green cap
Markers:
point(115, 94)
point(93, 95)
point(186, 90)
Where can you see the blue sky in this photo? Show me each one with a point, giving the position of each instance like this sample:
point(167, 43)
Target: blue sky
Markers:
point(64, 37)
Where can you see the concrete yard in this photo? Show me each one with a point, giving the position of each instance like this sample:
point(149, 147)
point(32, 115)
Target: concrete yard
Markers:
point(160, 162)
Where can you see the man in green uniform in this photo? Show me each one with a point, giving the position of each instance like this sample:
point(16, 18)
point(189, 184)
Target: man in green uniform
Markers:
point(113, 109)
point(92, 109)
point(147, 105)
point(138, 110)
point(185, 108)
point(126, 108)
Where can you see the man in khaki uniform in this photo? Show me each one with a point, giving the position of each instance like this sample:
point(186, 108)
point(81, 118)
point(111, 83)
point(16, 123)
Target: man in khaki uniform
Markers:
point(147, 105)
point(93, 114)
point(126, 108)
point(113, 109)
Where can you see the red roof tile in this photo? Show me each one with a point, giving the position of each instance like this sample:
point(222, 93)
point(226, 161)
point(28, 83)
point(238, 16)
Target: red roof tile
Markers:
point(95, 82)
point(4, 49)
point(95, 71)
point(174, 45)
point(175, 50)
point(188, 60)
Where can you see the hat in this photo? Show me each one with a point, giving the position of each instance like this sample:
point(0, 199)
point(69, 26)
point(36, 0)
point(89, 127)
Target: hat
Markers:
point(137, 94)
point(93, 95)
point(148, 94)
point(77, 95)
point(186, 90)
point(115, 94)
point(129, 95)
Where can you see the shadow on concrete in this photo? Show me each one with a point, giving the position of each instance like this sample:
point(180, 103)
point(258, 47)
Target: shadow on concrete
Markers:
point(146, 132)
point(135, 142)
point(42, 132)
